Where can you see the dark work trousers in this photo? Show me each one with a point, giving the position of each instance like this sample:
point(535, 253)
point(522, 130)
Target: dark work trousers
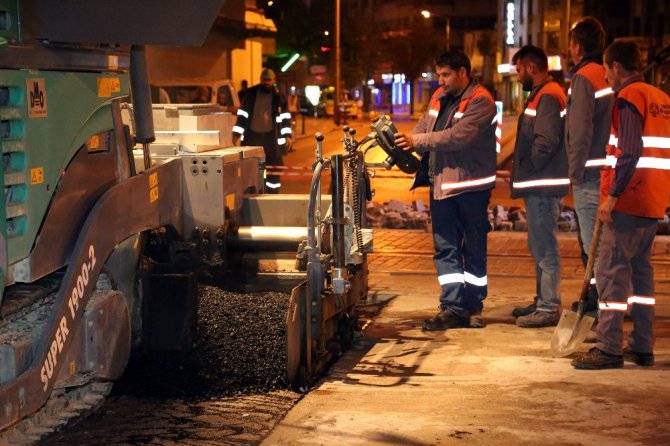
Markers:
point(273, 156)
point(625, 280)
point(460, 228)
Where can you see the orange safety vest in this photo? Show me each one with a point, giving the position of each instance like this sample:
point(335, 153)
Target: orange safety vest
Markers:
point(595, 73)
point(481, 172)
point(434, 107)
point(553, 178)
point(479, 91)
point(648, 191)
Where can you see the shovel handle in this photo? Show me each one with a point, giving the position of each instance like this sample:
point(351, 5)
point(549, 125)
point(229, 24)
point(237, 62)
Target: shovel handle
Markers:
point(593, 253)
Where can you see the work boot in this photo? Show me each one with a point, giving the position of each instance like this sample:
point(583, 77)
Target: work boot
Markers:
point(525, 311)
point(538, 319)
point(596, 359)
point(643, 359)
point(477, 321)
point(445, 319)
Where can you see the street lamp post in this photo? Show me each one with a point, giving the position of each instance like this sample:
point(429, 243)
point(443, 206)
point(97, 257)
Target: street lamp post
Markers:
point(447, 28)
point(336, 109)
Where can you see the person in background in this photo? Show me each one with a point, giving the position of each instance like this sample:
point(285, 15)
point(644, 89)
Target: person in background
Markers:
point(202, 95)
point(540, 177)
point(263, 120)
point(635, 188)
point(456, 139)
point(587, 126)
point(243, 90)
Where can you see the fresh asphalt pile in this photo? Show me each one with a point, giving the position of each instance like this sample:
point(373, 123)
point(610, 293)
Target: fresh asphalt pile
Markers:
point(240, 349)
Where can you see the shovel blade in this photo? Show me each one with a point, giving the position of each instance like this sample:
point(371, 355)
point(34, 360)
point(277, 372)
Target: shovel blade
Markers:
point(570, 333)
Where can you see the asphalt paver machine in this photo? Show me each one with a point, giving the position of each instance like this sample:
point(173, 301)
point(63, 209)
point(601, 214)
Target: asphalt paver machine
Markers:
point(99, 252)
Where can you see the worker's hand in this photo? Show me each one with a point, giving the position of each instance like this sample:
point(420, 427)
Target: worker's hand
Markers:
point(404, 141)
point(605, 209)
point(236, 139)
point(289, 144)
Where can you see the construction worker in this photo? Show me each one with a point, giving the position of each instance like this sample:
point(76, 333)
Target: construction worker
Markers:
point(634, 195)
point(456, 138)
point(587, 126)
point(540, 177)
point(263, 120)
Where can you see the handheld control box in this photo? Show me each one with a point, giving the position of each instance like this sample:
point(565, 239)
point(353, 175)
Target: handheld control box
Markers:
point(383, 131)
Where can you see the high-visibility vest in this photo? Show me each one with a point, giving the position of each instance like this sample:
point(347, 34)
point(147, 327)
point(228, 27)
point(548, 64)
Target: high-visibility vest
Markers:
point(480, 91)
point(595, 73)
point(648, 191)
point(552, 179)
point(480, 168)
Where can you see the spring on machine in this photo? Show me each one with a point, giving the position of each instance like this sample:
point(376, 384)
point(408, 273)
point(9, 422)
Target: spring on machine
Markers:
point(354, 174)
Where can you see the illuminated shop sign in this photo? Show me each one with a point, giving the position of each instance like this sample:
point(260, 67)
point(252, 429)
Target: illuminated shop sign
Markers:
point(509, 33)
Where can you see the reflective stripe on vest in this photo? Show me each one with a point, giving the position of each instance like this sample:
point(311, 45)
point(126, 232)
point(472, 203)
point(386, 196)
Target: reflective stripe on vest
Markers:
point(647, 141)
point(612, 306)
point(468, 183)
point(641, 300)
point(281, 141)
point(604, 92)
point(645, 162)
point(242, 113)
point(458, 115)
point(434, 113)
point(286, 131)
point(238, 129)
point(541, 183)
point(532, 112)
point(273, 185)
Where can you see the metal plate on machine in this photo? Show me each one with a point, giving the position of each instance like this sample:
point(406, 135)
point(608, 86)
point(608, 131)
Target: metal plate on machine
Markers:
point(252, 152)
point(146, 22)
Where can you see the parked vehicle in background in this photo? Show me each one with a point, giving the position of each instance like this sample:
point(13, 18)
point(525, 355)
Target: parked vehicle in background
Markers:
point(196, 91)
point(346, 103)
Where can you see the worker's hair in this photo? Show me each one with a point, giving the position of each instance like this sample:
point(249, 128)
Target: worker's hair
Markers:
point(454, 59)
point(626, 53)
point(267, 73)
point(531, 53)
point(589, 34)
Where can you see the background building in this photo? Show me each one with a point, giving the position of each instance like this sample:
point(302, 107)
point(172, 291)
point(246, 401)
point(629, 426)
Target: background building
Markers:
point(546, 23)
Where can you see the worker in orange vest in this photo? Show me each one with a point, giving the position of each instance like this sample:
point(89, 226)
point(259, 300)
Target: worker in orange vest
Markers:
point(635, 188)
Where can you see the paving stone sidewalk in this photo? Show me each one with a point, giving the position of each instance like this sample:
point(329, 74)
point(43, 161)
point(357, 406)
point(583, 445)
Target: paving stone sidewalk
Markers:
point(405, 250)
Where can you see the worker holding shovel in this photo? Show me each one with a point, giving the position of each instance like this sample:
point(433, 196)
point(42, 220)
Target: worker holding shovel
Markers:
point(635, 188)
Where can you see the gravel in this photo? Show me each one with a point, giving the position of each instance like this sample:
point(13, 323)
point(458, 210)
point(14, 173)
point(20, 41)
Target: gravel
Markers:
point(240, 349)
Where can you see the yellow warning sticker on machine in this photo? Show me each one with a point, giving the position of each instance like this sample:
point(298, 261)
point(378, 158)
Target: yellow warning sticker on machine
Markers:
point(37, 175)
point(107, 86)
point(93, 142)
point(153, 187)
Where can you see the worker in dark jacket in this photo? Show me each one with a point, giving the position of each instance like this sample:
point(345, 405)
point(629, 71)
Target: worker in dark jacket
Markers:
point(263, 120)
point(635, 191)
point(587, 125)
point(456, 138)
point(540, 177)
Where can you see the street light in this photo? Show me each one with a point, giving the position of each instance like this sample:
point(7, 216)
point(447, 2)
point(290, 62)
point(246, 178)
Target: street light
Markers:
point(447, 29)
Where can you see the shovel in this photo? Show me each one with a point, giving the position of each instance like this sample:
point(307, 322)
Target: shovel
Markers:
point(574, 326)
